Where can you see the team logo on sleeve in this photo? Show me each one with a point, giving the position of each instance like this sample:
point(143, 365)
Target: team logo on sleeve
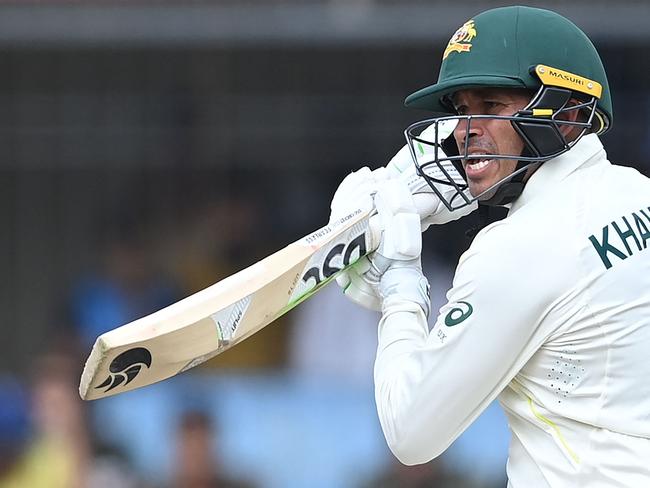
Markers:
point(460, 42)
point(458, 314)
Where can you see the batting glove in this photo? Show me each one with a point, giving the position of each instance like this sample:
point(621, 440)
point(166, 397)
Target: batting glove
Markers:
point(359, 282)
point(395, 271)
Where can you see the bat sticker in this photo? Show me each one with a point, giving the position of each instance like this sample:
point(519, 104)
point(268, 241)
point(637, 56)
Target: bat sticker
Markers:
point(328, 268)
point(125, 367)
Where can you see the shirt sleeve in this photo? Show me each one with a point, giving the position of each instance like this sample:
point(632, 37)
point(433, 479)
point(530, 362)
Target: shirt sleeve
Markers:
point(430, 385)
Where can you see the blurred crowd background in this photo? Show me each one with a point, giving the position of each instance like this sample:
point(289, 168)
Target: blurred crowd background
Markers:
point(149, 149)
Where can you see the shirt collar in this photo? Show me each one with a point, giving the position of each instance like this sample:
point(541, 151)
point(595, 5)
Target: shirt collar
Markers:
point(586, 152)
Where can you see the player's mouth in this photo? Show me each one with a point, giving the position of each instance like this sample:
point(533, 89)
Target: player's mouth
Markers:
point(477, 167)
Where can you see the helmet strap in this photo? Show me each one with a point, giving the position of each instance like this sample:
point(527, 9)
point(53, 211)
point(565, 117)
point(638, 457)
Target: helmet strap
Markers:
point(509, 191)
point(486, 216)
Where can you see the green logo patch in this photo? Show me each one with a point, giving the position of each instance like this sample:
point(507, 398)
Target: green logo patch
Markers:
point(458, 314)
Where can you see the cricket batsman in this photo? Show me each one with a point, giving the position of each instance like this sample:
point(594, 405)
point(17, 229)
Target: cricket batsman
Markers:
point(550, 307)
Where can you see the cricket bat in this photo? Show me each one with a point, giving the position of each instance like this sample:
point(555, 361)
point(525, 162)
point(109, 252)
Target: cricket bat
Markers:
point(197, 328)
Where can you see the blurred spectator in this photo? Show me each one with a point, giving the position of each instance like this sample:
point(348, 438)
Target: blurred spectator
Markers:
point(429, 475)
point(216, 239)
point(43, 439)
point(58, 452)
point(128, 285)
point(14, 431)
point(197, 464)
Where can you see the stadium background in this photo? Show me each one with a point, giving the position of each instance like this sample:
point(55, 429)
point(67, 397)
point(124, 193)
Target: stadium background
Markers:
point(148, 149)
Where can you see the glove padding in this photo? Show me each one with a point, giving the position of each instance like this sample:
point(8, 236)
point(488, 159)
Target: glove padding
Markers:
point(360, 281)
point(397, 261)
point(392, 276)
point(357, 190)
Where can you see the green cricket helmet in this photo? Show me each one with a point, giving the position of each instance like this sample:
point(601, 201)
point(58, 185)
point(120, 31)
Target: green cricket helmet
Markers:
point(511, 47)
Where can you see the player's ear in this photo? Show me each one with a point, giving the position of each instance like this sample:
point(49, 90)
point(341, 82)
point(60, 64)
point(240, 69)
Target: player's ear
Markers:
point(570, 132)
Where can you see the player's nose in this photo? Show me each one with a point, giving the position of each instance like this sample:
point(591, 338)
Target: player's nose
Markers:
point(467, 128)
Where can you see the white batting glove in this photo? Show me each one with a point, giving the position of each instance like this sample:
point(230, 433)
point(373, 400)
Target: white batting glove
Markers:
point(359, 282)
point(395, 268)
point(357, 190)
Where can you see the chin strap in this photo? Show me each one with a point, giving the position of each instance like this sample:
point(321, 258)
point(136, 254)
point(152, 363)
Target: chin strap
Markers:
point(509, 191)
point(486, 216)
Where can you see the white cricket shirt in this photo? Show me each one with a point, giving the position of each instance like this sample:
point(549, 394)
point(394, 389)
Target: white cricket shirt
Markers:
point(550, 311)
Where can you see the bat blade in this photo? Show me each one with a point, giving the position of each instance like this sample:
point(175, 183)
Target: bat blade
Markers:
point(201, 326)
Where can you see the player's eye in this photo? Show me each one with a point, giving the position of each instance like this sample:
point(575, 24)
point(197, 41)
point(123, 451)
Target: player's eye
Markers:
point(492, 105)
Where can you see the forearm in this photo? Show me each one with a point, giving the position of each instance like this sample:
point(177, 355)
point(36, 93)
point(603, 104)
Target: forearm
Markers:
point(397, 378)
point(399, 375)
point(426, 397)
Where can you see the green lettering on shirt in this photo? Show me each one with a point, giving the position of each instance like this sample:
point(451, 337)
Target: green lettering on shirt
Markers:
point(644, 233)
point(626, 235)
point(604, 247)
point(639, 234)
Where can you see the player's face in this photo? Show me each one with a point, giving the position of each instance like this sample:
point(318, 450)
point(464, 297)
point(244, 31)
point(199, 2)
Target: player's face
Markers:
point(488, 136)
